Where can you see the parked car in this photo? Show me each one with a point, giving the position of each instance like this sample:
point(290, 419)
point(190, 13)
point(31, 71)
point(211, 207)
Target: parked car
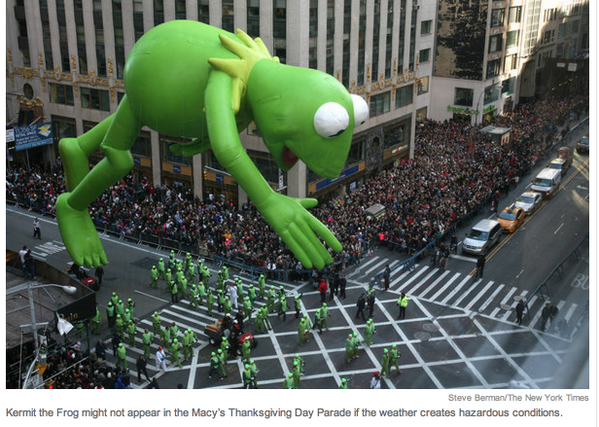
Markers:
point(529, 202)
point(511, 218)
point(583, 145)
point(560, 164)
point(482, 237)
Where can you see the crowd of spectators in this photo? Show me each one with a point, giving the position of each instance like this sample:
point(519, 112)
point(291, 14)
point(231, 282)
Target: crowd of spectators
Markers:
point(456, 170)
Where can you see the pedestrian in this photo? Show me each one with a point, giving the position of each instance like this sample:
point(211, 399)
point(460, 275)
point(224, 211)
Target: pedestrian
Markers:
point(215, 366)
point(369, 331)
point(254, 370)
point(154, 273)
point(343, 385)
point(261, 285)
point(342, 285)
point(375, 382)
point(402, 302)
point(288, 382)
point(301, 332)
point(232, 294)
point(519, 311)
point(37, 230)
point(101, 350)
point(297, 373)
point(370, 300)
point(131, 329)
point(246, 376)
point(361, 304)
point(394, 356)
point(553, 312)
point(110, 314)
point(283, 308)
point(545, 314)
point(147, 338)
point(349, 348)
point(322, 289)
point(141, 367)
point(161, 268)
point(324, 310)
point(29, 269)
point(22, 253)
point(161, 360)
point(298, 305)
point(174, 292)
point(209, 301)
point(480, 266)
point(175, 351)
point(220, 354)
point(157, 327)
point(385, 363)
point(318, 320)
point(121, 355)
point(386, 277)
point(246, 349)
point(99, 273)
point(333, 285)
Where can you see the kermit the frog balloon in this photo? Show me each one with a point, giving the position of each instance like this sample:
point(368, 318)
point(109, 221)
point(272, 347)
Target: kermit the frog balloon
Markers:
point(188, 79)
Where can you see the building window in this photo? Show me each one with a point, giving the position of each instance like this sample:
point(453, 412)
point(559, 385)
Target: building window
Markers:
point(313, 34)
point(389, 42)
point(398, 133)
point(280, 30)
point(63, 127)
point(380, 104)
point(138, 19)
point(491, 93)
point(424, 55)
point(61, 94)
point(404, 96)
point(507, 86)
point(228, 15)
point(95, 99)
point(375, 41)
point(463, 97)
point(511, 62)
point(204, 11)
point(158, 12)
point(45, 18)
point(511, 39)
point(402, 38)
point(515, 15)
point(346, 37)
point(142, 145)
point(497, 17)
point(361, 42)
point(330, 58)
point(62, 36)
point(422, 85)
point(493, 68)
point(99, 27)
point(356, 153)
point(167, 155)
point(495, 43)
point(180, 12)
point(253, 12)
point(426, 27)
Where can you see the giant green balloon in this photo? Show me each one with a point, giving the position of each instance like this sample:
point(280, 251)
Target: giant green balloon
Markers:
point(188, 79)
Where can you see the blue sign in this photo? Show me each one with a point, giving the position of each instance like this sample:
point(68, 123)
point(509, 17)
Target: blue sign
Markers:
point(220, 177)
point(33, 136)
point(136, 160)
point(347, 172)
point(176, 169)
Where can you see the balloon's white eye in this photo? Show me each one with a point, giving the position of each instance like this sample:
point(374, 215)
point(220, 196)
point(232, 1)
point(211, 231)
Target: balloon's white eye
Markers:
point(360, 109)
point(331, 120)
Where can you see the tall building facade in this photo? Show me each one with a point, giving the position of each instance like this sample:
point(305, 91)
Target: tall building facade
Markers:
point(65, 62)
point(492, 54)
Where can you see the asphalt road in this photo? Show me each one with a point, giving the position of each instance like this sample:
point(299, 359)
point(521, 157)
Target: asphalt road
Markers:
point(459, 332)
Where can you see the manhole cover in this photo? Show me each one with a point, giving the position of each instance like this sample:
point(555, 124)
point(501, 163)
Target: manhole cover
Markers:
point(422, 336)
point(506, 307)
point(430, 327)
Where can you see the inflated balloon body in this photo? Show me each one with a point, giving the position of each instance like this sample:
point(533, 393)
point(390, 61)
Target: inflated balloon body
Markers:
point(188, 79)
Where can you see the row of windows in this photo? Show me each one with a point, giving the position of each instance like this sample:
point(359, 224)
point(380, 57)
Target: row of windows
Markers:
point(465, 97)
point(381, 103)
point(496, 41)
point(95, 99)
point(498, 16)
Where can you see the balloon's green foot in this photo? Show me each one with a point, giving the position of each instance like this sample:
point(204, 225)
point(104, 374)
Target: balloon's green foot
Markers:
point(79, 234)
point(74, 160)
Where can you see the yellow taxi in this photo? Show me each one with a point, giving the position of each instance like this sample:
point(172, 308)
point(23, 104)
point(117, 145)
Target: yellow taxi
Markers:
point(511, 218)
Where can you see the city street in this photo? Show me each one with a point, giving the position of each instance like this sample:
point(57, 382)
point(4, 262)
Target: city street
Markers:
point(459, 332)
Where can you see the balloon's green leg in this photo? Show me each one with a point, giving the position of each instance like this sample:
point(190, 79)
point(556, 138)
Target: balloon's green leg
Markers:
point(75, 152)
point(74, 222)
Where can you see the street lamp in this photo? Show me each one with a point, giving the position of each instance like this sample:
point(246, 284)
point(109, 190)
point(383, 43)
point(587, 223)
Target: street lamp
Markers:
point(71, 290)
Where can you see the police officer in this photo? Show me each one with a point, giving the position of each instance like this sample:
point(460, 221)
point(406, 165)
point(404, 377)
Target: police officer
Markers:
point(403, 303)
point(110, 314)
point(154, 273)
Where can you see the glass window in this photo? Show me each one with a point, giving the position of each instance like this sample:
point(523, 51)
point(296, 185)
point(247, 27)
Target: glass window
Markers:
point(463, 97)
point(404, 96)
point(228, 15)
point(426, 27)
point(512, 39)
point(511, 62)
point(61, 94)
point(168, 155)
point(204, 11)
point(422, 85)
point(497, 17)
point(507, 86)
point(491, 93)
point(515, 15)
point(142, 145)
point(380, 104)
point(495, 43)
point(424, 55)
point(95, 99)
point(493, 68)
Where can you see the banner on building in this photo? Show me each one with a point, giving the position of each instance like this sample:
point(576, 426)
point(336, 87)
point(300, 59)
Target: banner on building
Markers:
point(27, 137)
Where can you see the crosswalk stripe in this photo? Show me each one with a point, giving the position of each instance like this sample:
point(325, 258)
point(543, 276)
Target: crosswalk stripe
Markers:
point(484, 306)
point(414, 277)
point(436, 282)
point(423, 281)
point(570, 312)
point(443, 288)
point(478, 296)
point(503, 302)
point(376, 267)
point(453, 292)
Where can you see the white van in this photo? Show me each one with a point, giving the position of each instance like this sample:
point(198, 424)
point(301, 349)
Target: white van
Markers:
point(482, 237)
point(547, 182)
